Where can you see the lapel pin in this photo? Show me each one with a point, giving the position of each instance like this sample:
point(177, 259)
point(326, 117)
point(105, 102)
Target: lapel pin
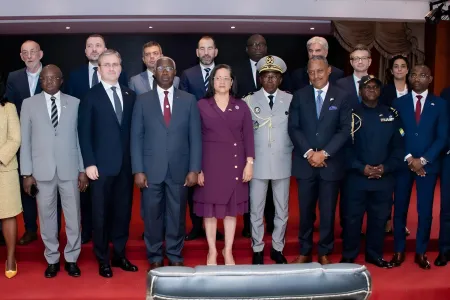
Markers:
point(432, 103)
point(126, 93)
point(167, 106)
point(237, 107)
point(257, 110)
point(331, 99)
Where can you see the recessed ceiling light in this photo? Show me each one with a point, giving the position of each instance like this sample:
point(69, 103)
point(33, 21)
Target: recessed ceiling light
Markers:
point(67, 27)
point(312, 28)
point(150, 27)
point(233, 27)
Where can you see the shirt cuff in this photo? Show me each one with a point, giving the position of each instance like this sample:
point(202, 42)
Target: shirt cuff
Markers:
point(423, 161)
point(407, 156)
point(448, 152)
point(306, 153)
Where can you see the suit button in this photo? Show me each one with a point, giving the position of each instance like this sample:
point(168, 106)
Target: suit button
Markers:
point(237, 178)
point(235, 167)
point(235, 144)
point(317, 133)
point(235, 155)
point(417, 134)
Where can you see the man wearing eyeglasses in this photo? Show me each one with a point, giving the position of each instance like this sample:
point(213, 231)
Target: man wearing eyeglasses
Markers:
point(425, 128)
point(104, 125)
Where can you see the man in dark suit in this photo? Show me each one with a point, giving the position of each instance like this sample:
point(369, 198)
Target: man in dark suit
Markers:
point(317, 46)
point(444, 228)
point(166, 153)
point(81, 80)
point(425, 128)
point(195, 81)
point(104, 126)
point(319, 126)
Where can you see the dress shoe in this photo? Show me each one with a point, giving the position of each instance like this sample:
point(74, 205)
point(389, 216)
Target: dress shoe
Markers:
point(27, 238)
point(324, 260)
point(277, 257)
point(379, 262)
point(72, 269)
point(52, 270)
point(302, 259)
point(398, 259)
point(10, 273)
point(155, 265)
point(176, 264)
point(258, 258)
point(195, 234)
point(124, 264)
point(105, 270)
point(422, 261)
point(246, 233)
point(442, 259)
point(347, 260)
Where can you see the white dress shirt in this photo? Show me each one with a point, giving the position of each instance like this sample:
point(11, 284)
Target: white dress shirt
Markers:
point(267, 95)
point(253, 65)
point(422, 102)
point(401, 93)
point(109, 91)
point(33, 80)
point(203, 67)
point(91, 73)
point(150, 78)
point(161, 96)
point(49, 103)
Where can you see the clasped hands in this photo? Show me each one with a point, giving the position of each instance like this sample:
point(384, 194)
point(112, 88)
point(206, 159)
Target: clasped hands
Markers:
point(140, 179)
point(374, 172)
point(317, 159)
point(415, 165)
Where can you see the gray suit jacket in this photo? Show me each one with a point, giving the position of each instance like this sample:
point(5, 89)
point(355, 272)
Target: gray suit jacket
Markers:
point(140, 83)
point(156, 147)
point(45, 151)
point(273, 146)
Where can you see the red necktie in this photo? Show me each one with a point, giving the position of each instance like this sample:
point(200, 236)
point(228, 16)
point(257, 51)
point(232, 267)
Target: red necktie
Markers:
point(166, 108)
point(418, 108)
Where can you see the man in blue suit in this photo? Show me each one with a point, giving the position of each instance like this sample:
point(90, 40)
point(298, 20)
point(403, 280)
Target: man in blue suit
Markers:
point(195, 81)
point(145, 81)
point(80, 82)
point(104, 125)
point(166, 153)
point(425, 128)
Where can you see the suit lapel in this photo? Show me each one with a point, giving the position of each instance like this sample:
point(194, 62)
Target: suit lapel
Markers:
point(176, 108)
point(250, 75)
point(278, 102)
point(42, 106)
point(109, 105)
point(427, 110)
point(25, 84)
point(145, 81)
point(157, 107)
point(62, 113)
point(86, 77)
point(410, 109)
point(126, 111)
point(199, 77)
point(327, 102)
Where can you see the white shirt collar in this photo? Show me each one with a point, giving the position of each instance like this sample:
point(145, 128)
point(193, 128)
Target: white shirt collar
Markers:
point(91, 66)
point(253, 63)
point(424, 95)
point(211, 67)
point(161, 90)
point(48, 96)
point(324, 89)
point(267, 94)
point(108, 86)
point(150, 74)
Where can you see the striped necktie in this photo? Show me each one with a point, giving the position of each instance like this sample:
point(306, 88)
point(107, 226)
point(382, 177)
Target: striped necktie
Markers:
point(319, 103)
point(207, 77)
point(54, 112)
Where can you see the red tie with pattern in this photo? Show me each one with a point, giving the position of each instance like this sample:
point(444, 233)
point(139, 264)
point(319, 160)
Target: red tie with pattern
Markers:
point(418, 108)
point(166, 108)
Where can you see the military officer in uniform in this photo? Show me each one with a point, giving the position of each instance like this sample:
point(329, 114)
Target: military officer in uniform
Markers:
point(374, 153)
point(273, 156)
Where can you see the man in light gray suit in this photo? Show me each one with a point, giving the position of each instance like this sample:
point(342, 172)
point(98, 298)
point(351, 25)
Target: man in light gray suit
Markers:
point(273, 161)
point(51, 162)
point(145, 81)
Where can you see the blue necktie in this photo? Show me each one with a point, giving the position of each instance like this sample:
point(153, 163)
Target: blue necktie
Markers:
point(117, 104)
point(207, 78)
point(319, 103)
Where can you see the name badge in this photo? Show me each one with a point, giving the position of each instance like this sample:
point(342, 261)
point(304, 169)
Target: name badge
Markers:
point(389, 119)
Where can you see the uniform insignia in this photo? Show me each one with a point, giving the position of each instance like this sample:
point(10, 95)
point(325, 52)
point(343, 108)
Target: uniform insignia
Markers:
point(394, 111)
point(257, 110)
point(402, 133)
point(269, 60)
point(255, 125)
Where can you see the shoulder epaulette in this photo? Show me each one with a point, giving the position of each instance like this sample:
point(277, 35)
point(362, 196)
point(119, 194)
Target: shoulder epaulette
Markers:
point(394, 111)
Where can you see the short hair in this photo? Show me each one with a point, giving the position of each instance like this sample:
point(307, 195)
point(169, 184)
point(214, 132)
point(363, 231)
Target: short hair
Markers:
point(317, 40)
point(395, 57)
point(361, 47)
point(151, 44)
point(96, 35)
point(206, 37)
point(166, 57)
point(318, 58)
point(109, 52)
point(211, 91)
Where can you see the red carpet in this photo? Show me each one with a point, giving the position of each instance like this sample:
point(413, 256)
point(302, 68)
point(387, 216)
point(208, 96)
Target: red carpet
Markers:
point(405, 283)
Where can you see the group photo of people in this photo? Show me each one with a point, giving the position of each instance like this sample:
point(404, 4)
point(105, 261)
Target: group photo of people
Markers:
point(214, 142)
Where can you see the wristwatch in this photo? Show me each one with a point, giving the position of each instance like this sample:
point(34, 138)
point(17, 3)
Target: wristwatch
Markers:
point(325, 153)
point(423, 161)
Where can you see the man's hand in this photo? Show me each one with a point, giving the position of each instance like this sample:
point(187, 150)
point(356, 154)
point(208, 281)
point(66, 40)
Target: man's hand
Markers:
point(191, 179)
point(201, 179)
point(27, 183)
point(421, 172)
point(368, 171)
point(83, 182)
point(92, 172)
point(140, 180)
point(317, 159)
point(414, 164)
point(377, 171)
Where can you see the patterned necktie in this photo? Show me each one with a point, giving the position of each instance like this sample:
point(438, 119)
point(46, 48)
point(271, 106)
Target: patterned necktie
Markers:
point(54, 112)
point(418, 108)
point(319, 103)
point(117, 104)
point(167, 113)
point(207, 78)
point(94, 77)
point(357, 92)
point(270, 101)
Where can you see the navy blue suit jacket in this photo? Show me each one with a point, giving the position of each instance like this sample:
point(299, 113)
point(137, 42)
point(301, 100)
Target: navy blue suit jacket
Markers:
point(330, 132)
point(157, 148)
point(78, 84)
point(348, 85)
point(445, 94)
point(300, 78)
point(103, 141)
point(17, 88)
point(430, 137)
point(192, 81)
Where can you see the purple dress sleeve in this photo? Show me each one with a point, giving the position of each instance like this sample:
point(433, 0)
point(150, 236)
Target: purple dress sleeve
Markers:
point(249, 142)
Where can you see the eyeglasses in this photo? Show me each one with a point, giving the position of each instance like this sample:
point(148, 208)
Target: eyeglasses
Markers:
point(31, 53)
point(257, 45)
point(270, 78)
point(49, 79)
point(108, 65)
point(167, 68)
point(226, 79)
point(420, 76)
point(357, 58)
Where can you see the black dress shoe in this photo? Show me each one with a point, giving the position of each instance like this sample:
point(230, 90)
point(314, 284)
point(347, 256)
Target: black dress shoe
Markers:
point(258, 258)
point(398, 259)
point(124, 264)
point(442, 259)
point(422, 261)
point(72, 269)
point(52, 270)
point(379, 262)
point(277, 257)
point(105, 270)
point(246, 233)
point(195, 234)
point(347, 261)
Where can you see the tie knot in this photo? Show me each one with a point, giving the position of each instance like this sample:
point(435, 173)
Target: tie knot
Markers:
point(52, 98)
point(166, 93)
point(419, 97)
point(207, 70)
point(95, 68)
point(319, 92)
point(270, 97)
point(113, 88)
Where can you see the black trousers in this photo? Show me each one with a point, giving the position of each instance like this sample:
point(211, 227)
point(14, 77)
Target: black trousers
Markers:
point(309, 192)
point(377, 205)
point(111, 198)
point(269, 210)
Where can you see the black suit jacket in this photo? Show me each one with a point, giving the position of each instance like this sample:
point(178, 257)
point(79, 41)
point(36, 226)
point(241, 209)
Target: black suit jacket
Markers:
point(329, 133)
point(78, 84)
point(300, 78)
point(348, 85)
point(192, 81)
point(17, 88)
point(103, 141)
point(389, 94)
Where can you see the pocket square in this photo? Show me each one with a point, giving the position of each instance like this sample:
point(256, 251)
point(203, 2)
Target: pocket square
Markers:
point(332, 108)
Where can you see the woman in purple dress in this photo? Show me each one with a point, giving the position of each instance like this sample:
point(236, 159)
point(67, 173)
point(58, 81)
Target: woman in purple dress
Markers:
point(227, 161)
